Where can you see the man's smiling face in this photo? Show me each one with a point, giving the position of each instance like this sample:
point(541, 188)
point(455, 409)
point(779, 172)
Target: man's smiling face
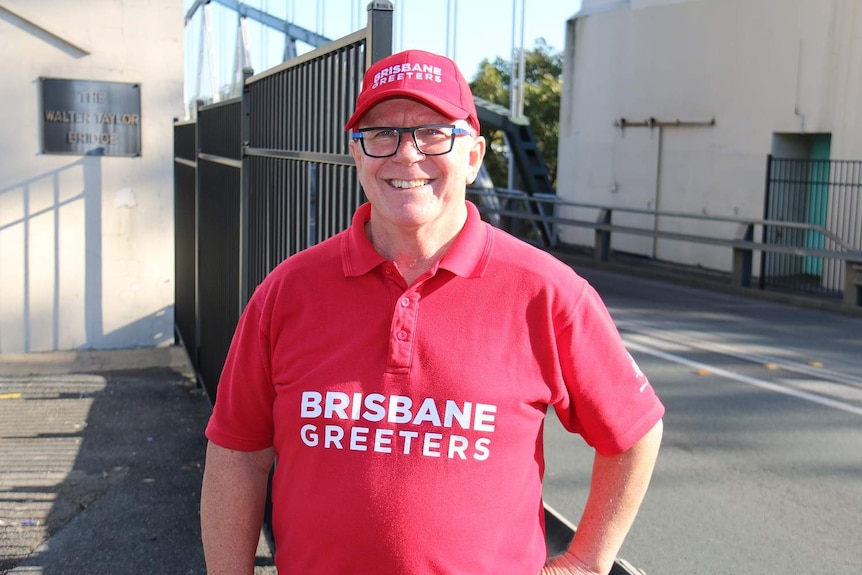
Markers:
point(409, 190)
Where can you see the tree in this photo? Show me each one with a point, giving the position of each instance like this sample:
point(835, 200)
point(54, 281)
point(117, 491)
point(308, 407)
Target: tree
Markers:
point(543, 83)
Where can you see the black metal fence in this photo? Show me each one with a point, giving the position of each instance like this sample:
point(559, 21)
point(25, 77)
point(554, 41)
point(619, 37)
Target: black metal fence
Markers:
point(262, 177)
point(826, 194)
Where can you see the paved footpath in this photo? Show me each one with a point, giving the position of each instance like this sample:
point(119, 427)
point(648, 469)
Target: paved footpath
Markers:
point(101, 459)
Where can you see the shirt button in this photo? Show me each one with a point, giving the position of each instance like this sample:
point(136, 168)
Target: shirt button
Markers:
point(405, 302)
point(402, 335)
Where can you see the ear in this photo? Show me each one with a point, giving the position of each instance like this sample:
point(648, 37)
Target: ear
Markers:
point(356, 152)
point(477, 154)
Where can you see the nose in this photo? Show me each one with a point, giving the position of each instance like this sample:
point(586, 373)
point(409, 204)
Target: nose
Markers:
point(408, 150)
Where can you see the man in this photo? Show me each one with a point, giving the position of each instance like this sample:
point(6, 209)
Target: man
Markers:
point(398, 374)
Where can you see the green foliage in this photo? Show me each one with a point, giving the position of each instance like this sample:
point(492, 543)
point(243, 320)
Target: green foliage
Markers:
point(543, 83)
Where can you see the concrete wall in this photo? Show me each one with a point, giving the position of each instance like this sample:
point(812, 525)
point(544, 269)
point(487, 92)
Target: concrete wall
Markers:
point(86, 242)
point(757, 67)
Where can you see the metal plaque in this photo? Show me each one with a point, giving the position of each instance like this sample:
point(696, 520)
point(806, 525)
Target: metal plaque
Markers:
point(85, 117)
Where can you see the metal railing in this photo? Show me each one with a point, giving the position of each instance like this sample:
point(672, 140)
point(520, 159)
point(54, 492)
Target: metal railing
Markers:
point(301, 183)
point(510, 209)
point(823, 193)
point(261, 177)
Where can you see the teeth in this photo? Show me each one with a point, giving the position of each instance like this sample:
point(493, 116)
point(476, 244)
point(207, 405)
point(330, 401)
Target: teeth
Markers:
point(408, 183)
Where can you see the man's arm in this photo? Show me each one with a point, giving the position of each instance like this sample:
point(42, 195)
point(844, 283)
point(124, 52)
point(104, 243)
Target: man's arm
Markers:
point(618, 486)
point(233, 498)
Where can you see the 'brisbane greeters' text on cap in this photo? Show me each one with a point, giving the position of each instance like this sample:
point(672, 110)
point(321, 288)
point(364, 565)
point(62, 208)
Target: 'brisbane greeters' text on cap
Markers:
point(428, 78)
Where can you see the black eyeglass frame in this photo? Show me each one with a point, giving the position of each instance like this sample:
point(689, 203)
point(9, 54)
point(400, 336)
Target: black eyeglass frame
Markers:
point(456, 131)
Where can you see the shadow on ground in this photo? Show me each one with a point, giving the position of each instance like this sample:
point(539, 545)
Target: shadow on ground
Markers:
point(100, 469)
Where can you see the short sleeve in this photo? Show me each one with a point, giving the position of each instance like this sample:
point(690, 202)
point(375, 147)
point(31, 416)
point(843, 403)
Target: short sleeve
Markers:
point(607, 399)
point(242, 415)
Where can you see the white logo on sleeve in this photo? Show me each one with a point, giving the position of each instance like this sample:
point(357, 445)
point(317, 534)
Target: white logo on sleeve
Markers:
point(639, 374)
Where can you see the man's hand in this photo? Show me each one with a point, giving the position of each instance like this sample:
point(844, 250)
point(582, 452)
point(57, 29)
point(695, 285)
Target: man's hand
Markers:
point(566, 564)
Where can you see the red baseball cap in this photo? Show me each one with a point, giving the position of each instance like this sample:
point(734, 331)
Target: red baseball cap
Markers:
point(428, 78)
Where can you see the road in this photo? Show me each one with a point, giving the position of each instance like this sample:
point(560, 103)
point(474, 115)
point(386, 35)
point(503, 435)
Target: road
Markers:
point(761, 464)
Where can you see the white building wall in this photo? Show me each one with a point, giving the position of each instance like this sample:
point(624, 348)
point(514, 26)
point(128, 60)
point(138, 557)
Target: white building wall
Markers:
point(757, 67)
point(86, 242)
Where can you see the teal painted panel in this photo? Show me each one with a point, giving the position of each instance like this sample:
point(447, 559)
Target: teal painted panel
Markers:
point(818, 198)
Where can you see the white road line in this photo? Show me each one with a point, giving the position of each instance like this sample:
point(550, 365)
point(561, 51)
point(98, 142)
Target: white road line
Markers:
point(701, 341)
point(753, 381)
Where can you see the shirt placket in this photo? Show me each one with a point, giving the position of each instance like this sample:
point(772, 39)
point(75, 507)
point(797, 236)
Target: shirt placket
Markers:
point(402, 333)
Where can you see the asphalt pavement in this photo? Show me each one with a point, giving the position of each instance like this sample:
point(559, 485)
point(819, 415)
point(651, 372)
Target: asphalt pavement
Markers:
point(101, 460)
point(760, 468)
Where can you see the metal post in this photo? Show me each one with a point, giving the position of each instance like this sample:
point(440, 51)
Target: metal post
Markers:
point(207, 29)
point(743, 257)
point(379, 38)
point(766, 207)
point(451, 29)
point(242, 58)
point(243, 250)
point(522, 74)
point(602, 242)
point(195, 353)
point(852, 283)
point(513, 97)
point(659, 154)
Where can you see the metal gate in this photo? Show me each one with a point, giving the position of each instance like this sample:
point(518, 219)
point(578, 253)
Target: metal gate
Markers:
point(826, 194)
point(261, 177)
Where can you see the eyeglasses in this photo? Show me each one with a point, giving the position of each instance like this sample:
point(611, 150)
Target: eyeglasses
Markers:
point(430, 140)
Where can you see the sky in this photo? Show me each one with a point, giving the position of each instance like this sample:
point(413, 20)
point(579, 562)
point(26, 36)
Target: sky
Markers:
point(469, 31)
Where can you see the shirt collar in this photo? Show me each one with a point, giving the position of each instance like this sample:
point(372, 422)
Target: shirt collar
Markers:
point(468, 257)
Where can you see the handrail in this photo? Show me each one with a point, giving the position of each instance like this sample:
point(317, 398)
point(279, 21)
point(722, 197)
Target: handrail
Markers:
point(743, 244)
point(557, 201)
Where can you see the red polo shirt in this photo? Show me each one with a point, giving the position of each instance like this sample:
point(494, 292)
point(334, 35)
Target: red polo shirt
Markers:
point(407, 421)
